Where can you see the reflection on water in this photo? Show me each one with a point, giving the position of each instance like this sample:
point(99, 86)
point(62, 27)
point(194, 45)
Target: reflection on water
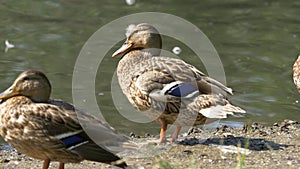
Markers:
point(257, 42)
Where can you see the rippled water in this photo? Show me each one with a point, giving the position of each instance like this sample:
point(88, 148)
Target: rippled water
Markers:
point(257, 42)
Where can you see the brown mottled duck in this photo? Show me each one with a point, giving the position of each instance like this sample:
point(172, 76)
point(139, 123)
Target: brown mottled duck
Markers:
point(167, 89)
point(51, 130)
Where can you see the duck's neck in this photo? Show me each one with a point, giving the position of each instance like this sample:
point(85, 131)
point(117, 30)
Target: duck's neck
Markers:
point(136, 56)
point(129, 65)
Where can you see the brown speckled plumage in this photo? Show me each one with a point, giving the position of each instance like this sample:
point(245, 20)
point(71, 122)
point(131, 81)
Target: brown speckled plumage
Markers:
point(296, 73)
point(38, 126)
point(145, 79)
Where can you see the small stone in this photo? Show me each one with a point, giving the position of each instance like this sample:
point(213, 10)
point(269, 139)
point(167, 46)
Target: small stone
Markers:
point(193, 130)
point(222, 128)
point(254, 126)
point(132, 135)
point(187, 152)
point(229, 135)
point(263, 133)
point(245, 128)
point(147, 135)
point(290, 121)
point(4, 160)
point(203, 156)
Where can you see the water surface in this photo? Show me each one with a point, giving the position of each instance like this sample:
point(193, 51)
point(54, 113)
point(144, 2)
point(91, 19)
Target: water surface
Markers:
point(257, 42)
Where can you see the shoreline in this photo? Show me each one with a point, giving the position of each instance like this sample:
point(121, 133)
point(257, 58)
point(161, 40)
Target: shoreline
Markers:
point(253, 146)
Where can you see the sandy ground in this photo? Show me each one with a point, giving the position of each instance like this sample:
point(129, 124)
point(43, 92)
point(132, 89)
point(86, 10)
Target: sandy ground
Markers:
point(254, 146)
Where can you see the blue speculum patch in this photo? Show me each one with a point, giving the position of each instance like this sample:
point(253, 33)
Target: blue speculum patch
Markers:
point(181, 90)
point(73, 140)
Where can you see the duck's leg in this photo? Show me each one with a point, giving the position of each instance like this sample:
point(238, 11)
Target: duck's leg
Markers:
point(163, 129)
point(61, 165)
point(176, 133)
point(46, 164)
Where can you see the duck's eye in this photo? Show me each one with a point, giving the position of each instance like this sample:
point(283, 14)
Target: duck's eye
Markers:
point(25, 78)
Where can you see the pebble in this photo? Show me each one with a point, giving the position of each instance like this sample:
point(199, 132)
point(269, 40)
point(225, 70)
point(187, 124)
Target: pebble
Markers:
point(147, 135)
point(193, 130)
point(255, 126)
point(187, 152)
point(263, 133)
point(222, 128)
point(203, 156)
point(230, 135)
point(132, 135)
point(4, 160)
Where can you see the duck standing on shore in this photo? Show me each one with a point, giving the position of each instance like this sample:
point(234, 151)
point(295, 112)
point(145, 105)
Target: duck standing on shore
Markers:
point(167, 89)
point(51, 130)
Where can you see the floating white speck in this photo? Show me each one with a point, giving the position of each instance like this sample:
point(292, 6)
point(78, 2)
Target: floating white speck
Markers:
point(297, 101)
point(176, 50)
point(130, 2)
point(8, 45)
point(100, 94)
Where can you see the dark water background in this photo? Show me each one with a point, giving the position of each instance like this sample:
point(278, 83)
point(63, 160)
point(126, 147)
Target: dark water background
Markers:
point(257, 41)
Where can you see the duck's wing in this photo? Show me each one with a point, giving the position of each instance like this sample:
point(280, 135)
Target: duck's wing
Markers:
point(59, 122)
point(167, 75)
point(98, 130)
point(210, 84)
point(174, 81)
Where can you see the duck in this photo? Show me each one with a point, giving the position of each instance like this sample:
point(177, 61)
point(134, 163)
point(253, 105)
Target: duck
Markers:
point(167, 89)
point(296, 73)
point(51, 129)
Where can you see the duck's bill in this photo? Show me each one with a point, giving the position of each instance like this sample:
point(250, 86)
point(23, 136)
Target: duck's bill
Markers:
point(7, 94)
point(122, 49)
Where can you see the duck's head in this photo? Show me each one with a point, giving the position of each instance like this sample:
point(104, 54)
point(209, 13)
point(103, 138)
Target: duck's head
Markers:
point(32, 84)
point(141, 37)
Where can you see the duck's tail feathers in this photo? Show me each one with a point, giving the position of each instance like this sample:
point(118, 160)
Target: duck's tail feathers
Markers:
point(221, 111)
